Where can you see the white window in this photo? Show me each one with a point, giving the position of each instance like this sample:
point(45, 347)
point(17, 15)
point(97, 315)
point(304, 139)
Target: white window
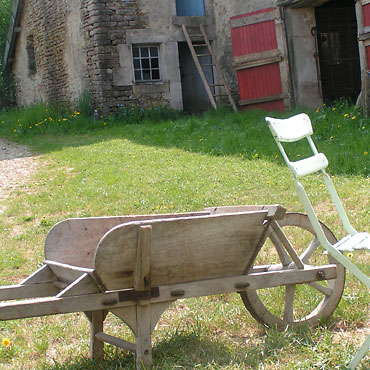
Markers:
point(146, 63)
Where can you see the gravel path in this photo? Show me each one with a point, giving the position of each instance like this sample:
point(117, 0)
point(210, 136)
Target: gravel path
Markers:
point(16, 165)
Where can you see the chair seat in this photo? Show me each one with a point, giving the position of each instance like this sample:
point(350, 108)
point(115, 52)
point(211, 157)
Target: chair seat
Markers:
point(350, 243)
point(309, 165)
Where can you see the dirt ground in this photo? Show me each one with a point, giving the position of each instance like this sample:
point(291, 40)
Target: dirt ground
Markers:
point(16, 165)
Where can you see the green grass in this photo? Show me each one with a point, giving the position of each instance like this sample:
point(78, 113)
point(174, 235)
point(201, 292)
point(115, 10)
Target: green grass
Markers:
point(162, 162)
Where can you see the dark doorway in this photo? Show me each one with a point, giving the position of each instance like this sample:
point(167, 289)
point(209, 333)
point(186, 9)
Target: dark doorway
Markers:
point(194, 95)
point(338, 50)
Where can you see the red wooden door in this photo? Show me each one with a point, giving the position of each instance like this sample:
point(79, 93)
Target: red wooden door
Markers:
point(260, 59)
point(363, 22)
point(363, 26)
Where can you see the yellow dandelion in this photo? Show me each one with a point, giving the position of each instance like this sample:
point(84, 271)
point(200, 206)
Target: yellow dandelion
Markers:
point(346, 115)
point(64, 119)
point(200, 139)
point(333, 109)
point(331, 137)
point(349, 255)
point(255, 155)
point(6, 342)
point(353, 117)
point(366, 153)
point(363, 127)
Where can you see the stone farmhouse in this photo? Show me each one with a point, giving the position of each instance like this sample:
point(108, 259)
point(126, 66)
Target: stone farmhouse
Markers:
point(269, 53)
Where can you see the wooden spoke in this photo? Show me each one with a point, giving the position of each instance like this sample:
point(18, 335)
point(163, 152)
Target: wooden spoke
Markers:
point(322, 289)
point(283, 255)
point(305, 303)
point(306, 255)
point(289, 303)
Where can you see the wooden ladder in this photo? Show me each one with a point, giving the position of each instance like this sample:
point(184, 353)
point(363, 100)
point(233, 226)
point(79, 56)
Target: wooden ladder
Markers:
point(192, 40)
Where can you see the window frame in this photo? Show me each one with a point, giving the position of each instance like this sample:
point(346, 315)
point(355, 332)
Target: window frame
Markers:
point(30, 49)
point(150, 69)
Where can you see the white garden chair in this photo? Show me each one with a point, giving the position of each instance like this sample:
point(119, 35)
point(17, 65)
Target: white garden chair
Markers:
point(299, 127)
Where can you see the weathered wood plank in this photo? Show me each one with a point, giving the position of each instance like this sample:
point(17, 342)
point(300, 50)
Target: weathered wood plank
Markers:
point(83, 285)
point(27, 291)
point(258, 18)
point(143, 346)
point(110, 300)
point(274, 210)
point(73, 241)
point(41, 275)
point(67, 273)
point(117, 342)
point(96, 326)
point(255, 57)
point(142, 278)
point(264, 99)
point(183, 249)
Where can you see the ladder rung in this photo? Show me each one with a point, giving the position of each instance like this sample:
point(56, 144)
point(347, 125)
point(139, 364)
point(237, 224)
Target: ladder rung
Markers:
point(198, 45)
point(204, 55)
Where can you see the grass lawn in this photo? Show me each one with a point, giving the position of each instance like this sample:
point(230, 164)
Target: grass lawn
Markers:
point(165, 164)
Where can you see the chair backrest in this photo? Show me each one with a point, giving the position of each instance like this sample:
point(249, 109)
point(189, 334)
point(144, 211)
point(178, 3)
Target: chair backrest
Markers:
point(293, 129)
point(290, 129)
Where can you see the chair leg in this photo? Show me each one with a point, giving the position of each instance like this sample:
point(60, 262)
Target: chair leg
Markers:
point(144, 358)
point(360, 354)
point(96, 326)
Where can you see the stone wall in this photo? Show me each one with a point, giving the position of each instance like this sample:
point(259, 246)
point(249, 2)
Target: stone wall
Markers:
point(86, 45)
point(104, 25)
point(58, 73)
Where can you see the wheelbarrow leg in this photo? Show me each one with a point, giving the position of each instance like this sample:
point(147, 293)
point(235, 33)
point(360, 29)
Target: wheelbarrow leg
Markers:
point(144, 358)
point(96, 326)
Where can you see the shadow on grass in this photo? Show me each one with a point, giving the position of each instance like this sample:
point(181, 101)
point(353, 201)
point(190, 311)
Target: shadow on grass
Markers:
point(220, 133)
point(181, 351)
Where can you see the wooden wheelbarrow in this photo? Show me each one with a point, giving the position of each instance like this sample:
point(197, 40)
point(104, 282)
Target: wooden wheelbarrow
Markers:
point(136, 266)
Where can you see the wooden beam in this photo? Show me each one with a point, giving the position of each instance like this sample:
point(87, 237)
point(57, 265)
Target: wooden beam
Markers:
point(128, 346)
point(142, 278)
point(258, 18)
point(108, 300)
point(264, 99)
point(12, 292)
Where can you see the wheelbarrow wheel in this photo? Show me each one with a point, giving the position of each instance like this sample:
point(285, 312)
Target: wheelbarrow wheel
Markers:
point(303, 304)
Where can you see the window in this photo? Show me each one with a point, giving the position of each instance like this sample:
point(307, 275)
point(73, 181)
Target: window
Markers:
point(188, 8)
point(31, 55)
point(146, 63)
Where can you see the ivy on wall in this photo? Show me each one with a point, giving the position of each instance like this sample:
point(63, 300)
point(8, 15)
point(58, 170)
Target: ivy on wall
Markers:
point(6, 82)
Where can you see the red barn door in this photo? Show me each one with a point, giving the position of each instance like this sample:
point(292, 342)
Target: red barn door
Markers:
point(260, 59)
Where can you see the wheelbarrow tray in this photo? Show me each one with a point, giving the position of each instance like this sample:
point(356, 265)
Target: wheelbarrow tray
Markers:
point(136, 266)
